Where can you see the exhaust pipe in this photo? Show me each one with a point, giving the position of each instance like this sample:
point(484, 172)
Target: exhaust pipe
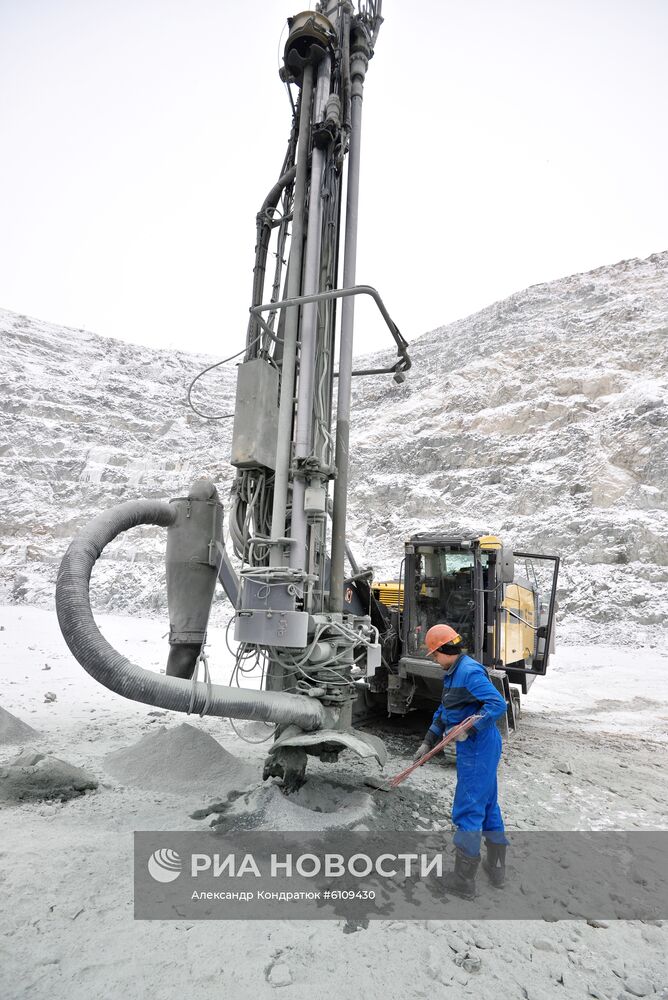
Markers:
point(118, 674)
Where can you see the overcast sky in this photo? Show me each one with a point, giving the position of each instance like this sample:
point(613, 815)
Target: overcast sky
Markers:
point(505, 143)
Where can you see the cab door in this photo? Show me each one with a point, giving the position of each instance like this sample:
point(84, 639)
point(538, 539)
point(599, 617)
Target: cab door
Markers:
point(543, 572)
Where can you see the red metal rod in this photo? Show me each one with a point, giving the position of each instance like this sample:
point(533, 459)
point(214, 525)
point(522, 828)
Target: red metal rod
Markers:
point(452, 734)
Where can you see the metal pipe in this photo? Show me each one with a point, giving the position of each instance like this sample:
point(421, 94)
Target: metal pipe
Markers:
point(479, 609)
point(309, 327)
point(342, 293)
point(265, 223)
point(354, 565)
point(359, 62)
point(286, 408)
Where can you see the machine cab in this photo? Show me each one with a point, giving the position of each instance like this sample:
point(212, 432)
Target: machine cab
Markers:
point(501, 603)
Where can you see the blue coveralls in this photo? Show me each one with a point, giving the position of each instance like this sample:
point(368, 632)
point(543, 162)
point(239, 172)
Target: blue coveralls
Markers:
point(467, 690)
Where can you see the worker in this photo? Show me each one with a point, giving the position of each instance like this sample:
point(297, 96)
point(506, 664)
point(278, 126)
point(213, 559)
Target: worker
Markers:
point(467, 690)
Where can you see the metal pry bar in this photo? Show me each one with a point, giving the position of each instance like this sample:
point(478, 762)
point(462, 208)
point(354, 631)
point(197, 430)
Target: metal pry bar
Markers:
point(452, 735)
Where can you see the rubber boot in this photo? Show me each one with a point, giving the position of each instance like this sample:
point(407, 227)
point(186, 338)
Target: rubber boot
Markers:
point(461, 881)
point(495, 864)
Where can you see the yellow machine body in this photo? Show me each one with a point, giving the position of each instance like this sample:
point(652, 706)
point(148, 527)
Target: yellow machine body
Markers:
point(390, 593)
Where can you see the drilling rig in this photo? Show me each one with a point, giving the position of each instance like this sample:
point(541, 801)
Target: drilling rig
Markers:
point(290, 444)
point(330, 645)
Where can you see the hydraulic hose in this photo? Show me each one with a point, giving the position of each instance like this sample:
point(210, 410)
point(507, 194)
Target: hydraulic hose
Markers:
point(117, 673)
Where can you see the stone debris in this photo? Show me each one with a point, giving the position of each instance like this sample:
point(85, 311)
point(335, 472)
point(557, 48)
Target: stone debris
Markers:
point(435, 961)
point(545, 944)
point(27, 758)
point(280, 975)
point(34, 776)
point(468, 962)
point(654, 935)
point(638, 986)
point(564, 766)
point(456, 942)
point(483, 942)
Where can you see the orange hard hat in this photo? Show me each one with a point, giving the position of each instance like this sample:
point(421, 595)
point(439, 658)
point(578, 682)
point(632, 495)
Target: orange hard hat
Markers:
point(441, 635)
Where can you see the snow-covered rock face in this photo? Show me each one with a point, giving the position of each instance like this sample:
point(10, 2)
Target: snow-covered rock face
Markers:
point(90, 422)
point(542, 418)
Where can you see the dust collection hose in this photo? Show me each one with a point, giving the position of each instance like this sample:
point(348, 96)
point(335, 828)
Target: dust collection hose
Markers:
point(117, 673)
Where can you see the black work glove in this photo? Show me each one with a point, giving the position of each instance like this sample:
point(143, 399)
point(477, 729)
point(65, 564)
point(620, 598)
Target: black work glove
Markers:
point(428, 743)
